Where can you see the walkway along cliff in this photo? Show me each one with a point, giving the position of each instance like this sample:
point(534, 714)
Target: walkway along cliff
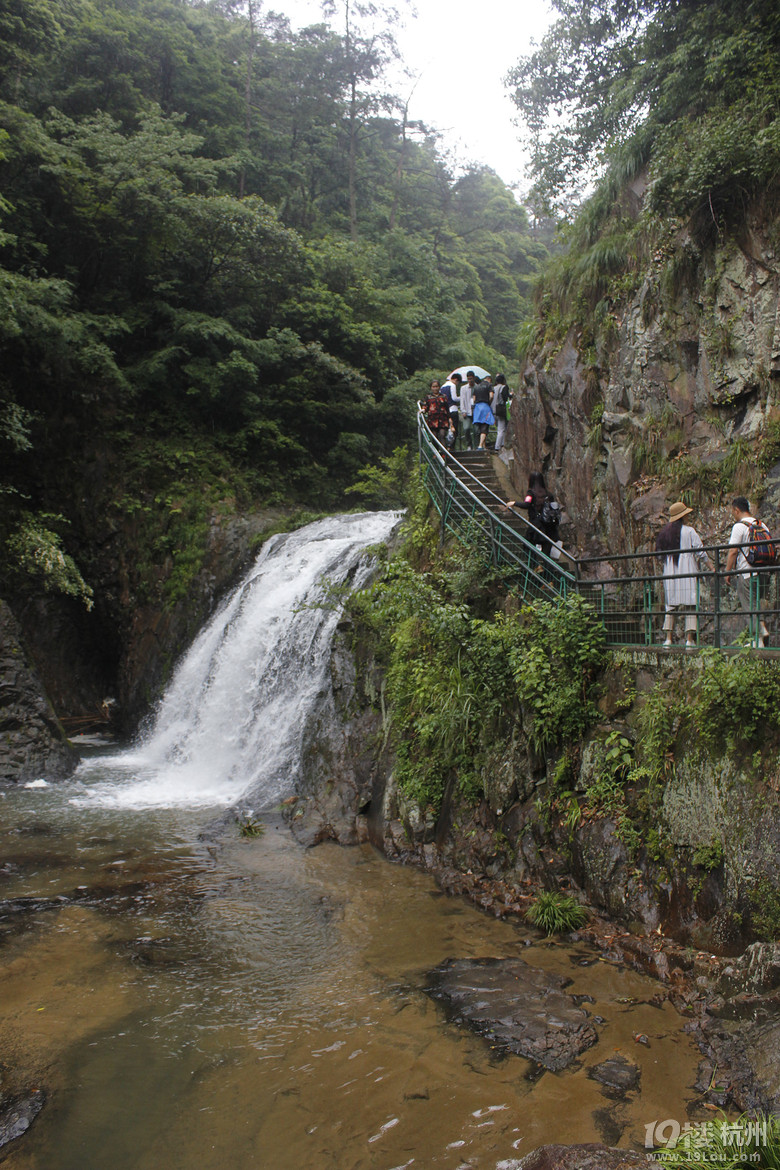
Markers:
point(625, 589)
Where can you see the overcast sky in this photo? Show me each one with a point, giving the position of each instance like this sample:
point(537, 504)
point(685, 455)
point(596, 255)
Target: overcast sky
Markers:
point(461, 50)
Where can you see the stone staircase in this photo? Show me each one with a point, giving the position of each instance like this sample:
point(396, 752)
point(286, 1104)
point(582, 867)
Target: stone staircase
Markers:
point(486, 485)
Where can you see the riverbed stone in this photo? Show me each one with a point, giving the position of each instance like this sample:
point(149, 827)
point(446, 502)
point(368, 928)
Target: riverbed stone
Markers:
point(589, 1156)
point(18, 1112)
point(617, 1076)
point(518, 1008)
point(610, 1122)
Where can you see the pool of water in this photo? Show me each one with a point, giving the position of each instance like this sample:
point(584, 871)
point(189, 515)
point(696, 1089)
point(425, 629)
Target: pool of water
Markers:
point(197, 1000)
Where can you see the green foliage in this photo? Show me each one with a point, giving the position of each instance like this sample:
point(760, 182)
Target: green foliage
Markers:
point(748, 1141)
point(555, 654)
point(612, 79)
point(250, 827)
point(170, 493)
point(419, 535)
point(765, 911)
point(739, 467)
point(729, 704)
point(709, 856)
point(527, 339)
point(594, 434)
point(457, 682)
point(769, 449)
point(580, 284)
point(605, 793)
point(681, 98)
point(15, 427)
point(735, 700)
point(217, 238)
point(34, 549)
point(384, 485)
point(556, 913)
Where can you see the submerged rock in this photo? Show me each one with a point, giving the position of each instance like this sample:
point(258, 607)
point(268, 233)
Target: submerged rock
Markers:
point(616, 1076)
point(610, 1123)
point(590, 1156)
point(18, 1113)
point(518, 1008)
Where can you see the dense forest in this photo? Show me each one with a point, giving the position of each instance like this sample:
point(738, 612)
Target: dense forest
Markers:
point(229, 262)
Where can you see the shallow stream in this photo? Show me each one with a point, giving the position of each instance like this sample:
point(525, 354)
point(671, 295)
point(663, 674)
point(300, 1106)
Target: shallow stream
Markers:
point(247, 1003)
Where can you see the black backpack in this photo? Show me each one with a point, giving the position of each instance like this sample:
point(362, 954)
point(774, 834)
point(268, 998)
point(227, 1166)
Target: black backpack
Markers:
point(551, 512)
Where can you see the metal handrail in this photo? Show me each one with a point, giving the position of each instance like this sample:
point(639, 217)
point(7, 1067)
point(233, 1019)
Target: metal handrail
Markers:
point(466, 516)
point(630, 605)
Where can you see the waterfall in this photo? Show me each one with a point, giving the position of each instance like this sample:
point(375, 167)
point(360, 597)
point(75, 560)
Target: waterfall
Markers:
point(233, 716)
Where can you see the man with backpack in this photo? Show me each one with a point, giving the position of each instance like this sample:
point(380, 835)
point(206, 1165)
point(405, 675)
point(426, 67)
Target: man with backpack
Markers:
point(751, 549)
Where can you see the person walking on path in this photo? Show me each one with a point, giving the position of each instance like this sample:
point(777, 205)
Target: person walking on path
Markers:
point(483, 415)
point(544, 512)
point(752, 587)
point(683, 558)
point(467, 408)
point(436, 409)
point(500, 403)
point(451, 389)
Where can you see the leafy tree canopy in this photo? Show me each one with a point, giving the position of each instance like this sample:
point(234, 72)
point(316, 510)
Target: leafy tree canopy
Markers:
point(613, 71)
point(221, 236)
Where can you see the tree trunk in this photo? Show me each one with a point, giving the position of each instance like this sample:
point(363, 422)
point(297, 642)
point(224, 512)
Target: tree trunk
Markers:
point(248, 94)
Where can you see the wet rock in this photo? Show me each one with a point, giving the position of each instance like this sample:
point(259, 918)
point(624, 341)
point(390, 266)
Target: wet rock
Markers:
point(157, 952)
point(756, 970)
point(32, 742)
point(17, 1114)
point(338, 768)
point(616, 1077)
point(590, 1156)
point(609, 1123)
point(20, 914)
point(743, 1058)
point(518, 1008)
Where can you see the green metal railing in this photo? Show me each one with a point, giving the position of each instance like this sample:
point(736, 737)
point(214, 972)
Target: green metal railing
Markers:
point(453, 490)
point(626, 590)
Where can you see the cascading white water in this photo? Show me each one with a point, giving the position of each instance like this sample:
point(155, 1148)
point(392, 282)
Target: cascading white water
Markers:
point(233, 716)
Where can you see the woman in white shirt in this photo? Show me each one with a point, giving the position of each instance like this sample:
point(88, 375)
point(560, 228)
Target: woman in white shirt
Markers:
point(684, 557)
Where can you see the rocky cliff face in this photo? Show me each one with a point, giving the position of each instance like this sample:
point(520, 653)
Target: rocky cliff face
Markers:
point(698, 865)
point(124, 650)
point(679, 393)
point(32, 742)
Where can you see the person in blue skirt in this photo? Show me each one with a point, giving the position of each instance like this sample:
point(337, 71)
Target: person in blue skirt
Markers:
point(483, 417)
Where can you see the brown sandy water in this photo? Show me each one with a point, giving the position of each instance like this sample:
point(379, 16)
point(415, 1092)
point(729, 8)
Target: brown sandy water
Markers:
point(257, 1005)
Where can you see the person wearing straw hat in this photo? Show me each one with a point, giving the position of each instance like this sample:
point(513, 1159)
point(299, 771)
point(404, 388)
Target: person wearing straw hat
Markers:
point(684, 557)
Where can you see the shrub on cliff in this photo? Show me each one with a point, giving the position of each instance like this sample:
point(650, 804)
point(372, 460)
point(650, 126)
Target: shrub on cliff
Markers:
point(458, 683)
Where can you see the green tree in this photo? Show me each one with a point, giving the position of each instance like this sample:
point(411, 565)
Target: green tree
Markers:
point(615, 71)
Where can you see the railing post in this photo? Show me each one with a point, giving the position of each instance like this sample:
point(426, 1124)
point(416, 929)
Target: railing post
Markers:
point(444, 496)
point(647, 587)
point(493, 544)
point(716, 601)
point(754, 593)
